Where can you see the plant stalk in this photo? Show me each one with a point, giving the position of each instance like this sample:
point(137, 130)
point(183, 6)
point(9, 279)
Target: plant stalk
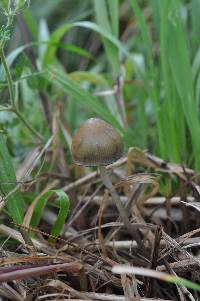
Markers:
point(31, 129)
point(9, 79)
point(122, 211)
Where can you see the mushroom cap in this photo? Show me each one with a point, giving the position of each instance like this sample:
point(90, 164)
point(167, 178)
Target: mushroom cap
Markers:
point(96, 143)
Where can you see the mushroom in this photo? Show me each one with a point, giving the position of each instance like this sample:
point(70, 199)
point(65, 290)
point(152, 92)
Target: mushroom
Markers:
point(97, 143)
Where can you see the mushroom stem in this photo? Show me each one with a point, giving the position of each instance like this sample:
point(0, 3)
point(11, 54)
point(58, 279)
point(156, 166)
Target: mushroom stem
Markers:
point(122, 211)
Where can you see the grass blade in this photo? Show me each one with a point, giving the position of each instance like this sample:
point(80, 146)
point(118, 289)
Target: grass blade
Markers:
point(64, 203)
point(57, 35)
point(144, 32)
point(103, 21)
point(7, 179)
point(182, 75)
point(114, 16)
point(153, 90)
point(171, 99)
point(84, 97)
point(195, 17)
point(123, 269)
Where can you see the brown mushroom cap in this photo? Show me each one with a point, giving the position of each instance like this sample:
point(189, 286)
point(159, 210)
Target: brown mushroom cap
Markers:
point(96, 143)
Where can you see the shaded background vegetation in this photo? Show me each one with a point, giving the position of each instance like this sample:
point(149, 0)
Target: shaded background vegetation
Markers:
point(157, 45)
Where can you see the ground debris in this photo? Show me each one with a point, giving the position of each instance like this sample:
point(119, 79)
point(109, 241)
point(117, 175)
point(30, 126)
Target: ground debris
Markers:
point(78, 265)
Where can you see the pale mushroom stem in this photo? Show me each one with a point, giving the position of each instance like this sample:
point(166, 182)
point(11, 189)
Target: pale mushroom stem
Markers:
point(122, 211)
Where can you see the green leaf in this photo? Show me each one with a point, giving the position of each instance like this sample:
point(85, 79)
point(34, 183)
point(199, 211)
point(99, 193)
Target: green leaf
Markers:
point(113, 6)
point(179, 60)
point(84, 97)
point(75, 49)
point(59, 33)
point(55, 38)
point(104, 23)
point(102, 15)
point(43, 36)
point(120, 269)
point(50, 51)
point(109, 36)
point(31, 22)
point(195, 18)
point(170, 104)
point(144, 31)
point(63, 212)
point(8, 184)
point(64, 204)
point(91, 77)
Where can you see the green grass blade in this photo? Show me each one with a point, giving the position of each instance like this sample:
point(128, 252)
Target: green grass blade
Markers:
point(102, 15)
point(75, 49)
point(91, 77)
point(51, 47)
point(43, 36)
point(144, 32)
point(178, 56)
point(64, 204)
point(152, 91)
point(195, 17)
point(197, 89)
point(156, 8)
point(125, 269)
point(170, 101)
point(55, 38)
point(183, 282)
point(39, 208)
point(196, 76)
point(7, 180)
point(113, 6)
point(83, 97)
point(57, 35)
point(104, 23)
point(196, 64)
point(31, 23)
point(95, 27)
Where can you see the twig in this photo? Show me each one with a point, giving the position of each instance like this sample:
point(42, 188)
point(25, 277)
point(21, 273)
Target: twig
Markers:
point(35, 230)
point(109, 297)
point(182, 265)
point(31, 271)
point(182, 290)
point(122, 211)
point(119, 94)
point(8, 291)
point(154, 259)
point(91, 176)
point(78, 212)
point(131, 244)
point(151, 202)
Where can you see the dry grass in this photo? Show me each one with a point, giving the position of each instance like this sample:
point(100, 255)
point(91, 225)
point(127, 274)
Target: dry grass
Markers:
point(78, 265)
